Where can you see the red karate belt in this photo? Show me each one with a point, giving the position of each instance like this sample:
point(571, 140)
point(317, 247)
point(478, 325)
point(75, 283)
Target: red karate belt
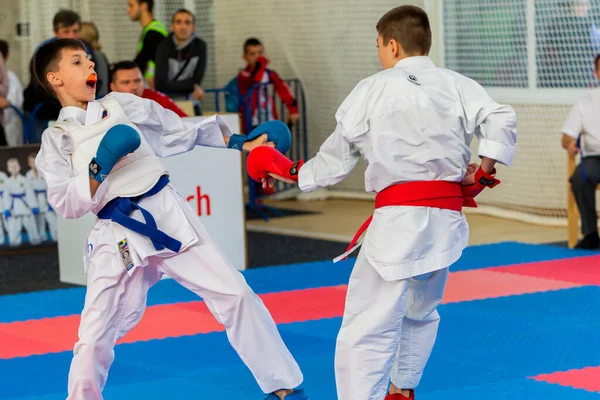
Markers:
point(435, 194)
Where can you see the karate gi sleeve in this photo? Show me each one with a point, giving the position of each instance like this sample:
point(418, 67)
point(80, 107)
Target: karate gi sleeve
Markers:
point(495, 125)
point(68, 194)
point(338, 155)
point(166, 132)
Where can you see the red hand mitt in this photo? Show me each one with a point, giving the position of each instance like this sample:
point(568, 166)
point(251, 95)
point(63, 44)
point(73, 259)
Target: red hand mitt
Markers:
point(482, 180)
point(265, 160)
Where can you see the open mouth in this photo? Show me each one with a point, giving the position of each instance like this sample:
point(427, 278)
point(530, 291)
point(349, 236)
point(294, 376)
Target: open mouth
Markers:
point(91, 82)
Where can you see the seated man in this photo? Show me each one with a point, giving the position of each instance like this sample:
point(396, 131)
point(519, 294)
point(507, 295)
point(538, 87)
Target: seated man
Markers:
point(126, 77)
point(581, 132)
point(181, 59)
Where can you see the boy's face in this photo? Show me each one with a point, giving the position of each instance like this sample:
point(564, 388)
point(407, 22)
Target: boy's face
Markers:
point(13, 167)
point(128, 81)
point(68, 32)
point(31, 162)
point(388, 52)
point(252, 54)
point(75, 80)
point(182, 26)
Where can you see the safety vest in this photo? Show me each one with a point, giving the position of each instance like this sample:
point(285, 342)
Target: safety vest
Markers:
point(154, 25)
point(132, 176)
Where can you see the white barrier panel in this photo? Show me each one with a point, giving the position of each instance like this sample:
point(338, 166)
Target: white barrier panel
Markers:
point(210, 179)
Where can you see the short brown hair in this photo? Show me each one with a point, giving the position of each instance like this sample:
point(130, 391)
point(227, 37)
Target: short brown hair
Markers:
point(251, 42)
point(183, 11)
point(65, 19)
point(48, 56)
point(409, 26)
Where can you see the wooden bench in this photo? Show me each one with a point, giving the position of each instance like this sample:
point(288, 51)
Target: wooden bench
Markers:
point(572, 211)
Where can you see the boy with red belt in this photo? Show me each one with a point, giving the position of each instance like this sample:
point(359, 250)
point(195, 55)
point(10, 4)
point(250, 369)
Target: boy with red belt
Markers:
point(413, 123)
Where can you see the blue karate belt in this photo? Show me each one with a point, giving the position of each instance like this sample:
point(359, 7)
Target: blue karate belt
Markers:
point(119, 209)
point(21, 197)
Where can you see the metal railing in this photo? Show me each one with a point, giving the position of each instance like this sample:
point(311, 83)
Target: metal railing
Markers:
point(299, 147)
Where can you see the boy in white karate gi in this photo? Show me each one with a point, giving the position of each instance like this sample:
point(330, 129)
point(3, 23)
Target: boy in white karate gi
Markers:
point(101, 157)
point(413, 123)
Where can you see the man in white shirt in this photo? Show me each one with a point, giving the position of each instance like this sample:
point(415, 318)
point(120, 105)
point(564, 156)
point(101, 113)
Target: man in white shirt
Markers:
point(581, 133)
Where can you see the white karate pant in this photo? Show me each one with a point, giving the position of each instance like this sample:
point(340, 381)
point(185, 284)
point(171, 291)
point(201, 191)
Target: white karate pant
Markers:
point(46, 217)
point(387, 333)
point(115, 303)
point(16, 223)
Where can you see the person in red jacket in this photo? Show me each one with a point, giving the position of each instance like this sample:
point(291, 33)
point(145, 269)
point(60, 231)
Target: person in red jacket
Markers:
point(126, 77)
point(256, 71)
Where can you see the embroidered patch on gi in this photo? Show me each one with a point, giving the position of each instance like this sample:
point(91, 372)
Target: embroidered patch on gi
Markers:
point(125, 255)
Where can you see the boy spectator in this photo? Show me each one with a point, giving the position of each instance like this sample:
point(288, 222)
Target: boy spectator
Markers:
point(181, 59)
point(126, 77)
point(152, 35)
point(256, 72)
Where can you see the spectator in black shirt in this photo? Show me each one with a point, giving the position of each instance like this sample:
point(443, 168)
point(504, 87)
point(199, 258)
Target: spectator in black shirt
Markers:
point(181, 59)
